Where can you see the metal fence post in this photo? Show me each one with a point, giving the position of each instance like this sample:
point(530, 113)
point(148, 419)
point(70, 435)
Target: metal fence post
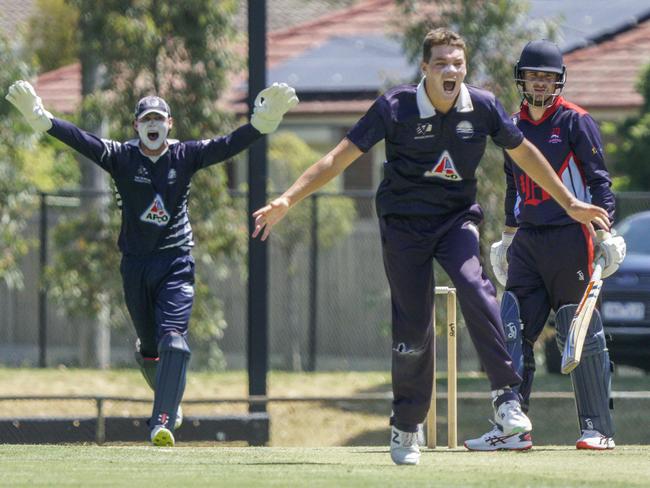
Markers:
point(42, 289)
point(313, 285)
point(100, 433)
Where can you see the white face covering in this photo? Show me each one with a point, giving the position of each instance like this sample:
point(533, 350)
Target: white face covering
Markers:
point(153, 133)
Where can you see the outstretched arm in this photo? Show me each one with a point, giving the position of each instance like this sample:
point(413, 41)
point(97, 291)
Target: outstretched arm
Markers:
point(531, 160)
point(23, 96)
point(314, 177)
point(270, 106)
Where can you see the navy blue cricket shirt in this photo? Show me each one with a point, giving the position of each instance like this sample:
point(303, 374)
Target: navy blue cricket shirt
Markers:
point(154, 195)
point(569, 138)
point(431, 158)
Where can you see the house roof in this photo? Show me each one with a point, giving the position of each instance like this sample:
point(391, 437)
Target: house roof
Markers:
point(284, 13)
point(580, 22)
point(60, 89)
point(601, 76)
point(354, 61)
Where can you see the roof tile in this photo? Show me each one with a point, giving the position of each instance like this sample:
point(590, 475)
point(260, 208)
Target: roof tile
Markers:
point(603, 76)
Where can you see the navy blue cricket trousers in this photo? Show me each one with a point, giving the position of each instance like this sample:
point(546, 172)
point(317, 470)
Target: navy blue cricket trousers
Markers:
point(409, 246)
point(159, 294)
point(548, 267)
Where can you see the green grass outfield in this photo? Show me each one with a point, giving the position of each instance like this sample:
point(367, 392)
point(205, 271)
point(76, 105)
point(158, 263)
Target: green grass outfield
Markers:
point(143, 466)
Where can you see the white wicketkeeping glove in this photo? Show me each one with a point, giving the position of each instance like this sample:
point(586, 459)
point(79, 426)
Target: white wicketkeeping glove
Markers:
point(498, 257)
point(612, 248)
point(270, 106)
point(22, 95)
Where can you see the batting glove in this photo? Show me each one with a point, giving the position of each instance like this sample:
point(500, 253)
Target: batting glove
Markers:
point(498, 257)
point(270, 106)
point(612, 248)
point(22, 95)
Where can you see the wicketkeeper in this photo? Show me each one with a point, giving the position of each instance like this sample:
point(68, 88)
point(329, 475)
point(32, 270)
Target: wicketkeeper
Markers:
point(152, 176)
point(545, 258)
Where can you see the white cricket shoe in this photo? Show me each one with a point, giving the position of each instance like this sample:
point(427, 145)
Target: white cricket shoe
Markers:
point(179, 418)
point(404, 446)
point(592, 439)
point(496, 440)
point(161, 436)
point(512, 419)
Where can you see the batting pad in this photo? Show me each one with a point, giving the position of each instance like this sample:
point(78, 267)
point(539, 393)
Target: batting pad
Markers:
point(592, 378)
point(174, 354)
point(513, 330)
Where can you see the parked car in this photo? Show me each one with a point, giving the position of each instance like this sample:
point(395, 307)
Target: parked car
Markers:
point(625, 302)
point(625, 297)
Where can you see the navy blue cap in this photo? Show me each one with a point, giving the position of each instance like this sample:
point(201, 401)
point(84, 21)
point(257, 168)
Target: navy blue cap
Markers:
point(541, 55)
point(152, 104)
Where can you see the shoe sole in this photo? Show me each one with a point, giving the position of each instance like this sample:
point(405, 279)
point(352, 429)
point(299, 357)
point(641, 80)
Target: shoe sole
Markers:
point(587, 447)
point(163, 438)
point(405, 463)
point(525, 448)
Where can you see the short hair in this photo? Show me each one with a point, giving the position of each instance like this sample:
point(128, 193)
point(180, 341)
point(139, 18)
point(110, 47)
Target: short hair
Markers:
point(441, 37)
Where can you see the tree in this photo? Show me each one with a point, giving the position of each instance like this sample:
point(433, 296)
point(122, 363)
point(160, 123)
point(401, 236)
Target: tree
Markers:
point(289, 157)
point(51, 34)
point(180, 51)
point(631, 148)
point(16, 201)
point(495, 33)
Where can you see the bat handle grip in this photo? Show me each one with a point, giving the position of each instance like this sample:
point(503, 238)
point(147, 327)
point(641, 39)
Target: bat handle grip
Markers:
point(598, 269)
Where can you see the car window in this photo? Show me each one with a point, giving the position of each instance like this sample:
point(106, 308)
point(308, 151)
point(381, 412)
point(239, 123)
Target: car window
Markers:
point(636, 231)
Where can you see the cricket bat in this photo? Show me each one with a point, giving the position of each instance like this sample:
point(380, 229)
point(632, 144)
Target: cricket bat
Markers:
point(580, 322)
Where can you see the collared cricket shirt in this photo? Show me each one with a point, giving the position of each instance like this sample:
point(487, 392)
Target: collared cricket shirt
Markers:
point(431, 158)
point(569, 138)
point(154, 196)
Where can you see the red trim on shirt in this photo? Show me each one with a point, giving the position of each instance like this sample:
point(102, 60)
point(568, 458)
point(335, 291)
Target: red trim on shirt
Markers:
point(573, 106)
point(524, 113)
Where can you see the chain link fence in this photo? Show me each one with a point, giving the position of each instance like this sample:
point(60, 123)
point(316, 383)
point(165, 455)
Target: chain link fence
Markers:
point(329, 302)
point(328, 296)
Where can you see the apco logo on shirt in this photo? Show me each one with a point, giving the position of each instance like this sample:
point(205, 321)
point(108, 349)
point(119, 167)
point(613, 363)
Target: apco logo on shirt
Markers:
point(444, 168)
point(465, 129)
point(171, 176)
point(424, 130)
point(156, 213)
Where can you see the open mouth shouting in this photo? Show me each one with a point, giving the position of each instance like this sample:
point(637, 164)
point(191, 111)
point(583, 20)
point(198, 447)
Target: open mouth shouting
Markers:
point(449, 86)
point(153, 133)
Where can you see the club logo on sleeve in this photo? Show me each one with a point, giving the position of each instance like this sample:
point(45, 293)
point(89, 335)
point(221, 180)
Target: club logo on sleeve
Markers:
point(444, 168)
point(156, 213)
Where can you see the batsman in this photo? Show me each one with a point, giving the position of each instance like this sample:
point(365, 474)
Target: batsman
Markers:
point(545, 258)
point(152, 175)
